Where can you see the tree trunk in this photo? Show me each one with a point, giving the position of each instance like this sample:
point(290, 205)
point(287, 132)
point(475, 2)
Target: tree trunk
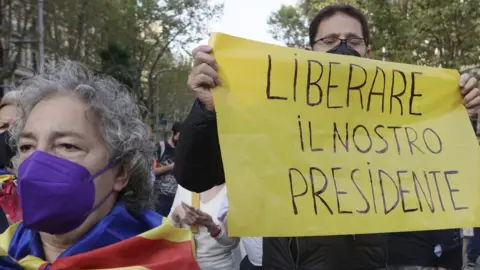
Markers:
point(9, 58)
point(80, 30)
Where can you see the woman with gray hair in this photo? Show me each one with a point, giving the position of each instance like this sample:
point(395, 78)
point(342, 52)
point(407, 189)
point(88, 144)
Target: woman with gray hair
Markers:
point(83, 165)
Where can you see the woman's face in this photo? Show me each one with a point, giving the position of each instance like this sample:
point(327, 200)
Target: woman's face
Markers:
point(62, 125)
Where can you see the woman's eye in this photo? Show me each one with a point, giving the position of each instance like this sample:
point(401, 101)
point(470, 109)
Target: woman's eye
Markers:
point(25, 148)
point(69, 147)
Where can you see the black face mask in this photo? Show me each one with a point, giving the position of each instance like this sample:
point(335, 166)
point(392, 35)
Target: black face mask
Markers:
point(343, 49)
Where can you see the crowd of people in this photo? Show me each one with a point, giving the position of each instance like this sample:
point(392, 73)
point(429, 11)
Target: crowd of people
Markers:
point(81, 172)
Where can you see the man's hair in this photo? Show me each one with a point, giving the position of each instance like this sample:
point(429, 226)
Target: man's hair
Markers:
point(176, 127)
point(331, 10)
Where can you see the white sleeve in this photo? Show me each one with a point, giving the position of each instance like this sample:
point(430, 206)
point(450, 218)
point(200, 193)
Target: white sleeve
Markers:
point(223, 211)
point(179, 197)
point(224, 240)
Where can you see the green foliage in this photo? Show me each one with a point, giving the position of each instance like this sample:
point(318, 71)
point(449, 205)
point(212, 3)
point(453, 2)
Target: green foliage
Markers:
point(287, 24)
point(116, 61)
point(174, 97)
point(139, 42)
point(442, 33)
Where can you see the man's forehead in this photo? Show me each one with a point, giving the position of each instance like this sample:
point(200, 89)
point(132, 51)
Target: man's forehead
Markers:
point(340, 25)
point(344, 35)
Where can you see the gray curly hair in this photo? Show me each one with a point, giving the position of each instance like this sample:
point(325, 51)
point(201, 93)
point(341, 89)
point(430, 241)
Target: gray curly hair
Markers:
point(119, 118)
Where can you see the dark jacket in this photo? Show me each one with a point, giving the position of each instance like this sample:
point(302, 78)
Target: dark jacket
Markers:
point(342, 252)
point(417, 248)
point(199, 167)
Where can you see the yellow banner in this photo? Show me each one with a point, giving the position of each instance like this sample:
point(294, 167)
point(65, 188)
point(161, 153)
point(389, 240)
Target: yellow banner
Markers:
point(323, 144)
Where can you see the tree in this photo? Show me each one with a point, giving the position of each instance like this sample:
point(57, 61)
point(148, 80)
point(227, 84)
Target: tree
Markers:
point(439, 33)
point(116, 61)
point(16, 29)
point(173, 98)
point(76, 29)
point(166, 25)
point(287, 25)
point(139, 42)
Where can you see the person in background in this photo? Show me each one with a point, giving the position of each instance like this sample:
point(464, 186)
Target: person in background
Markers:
point(9, 200)
point(165, 183)
point(252, 245)
point(8, 114)
point(336, 29)
point(215, 250)
point(473, 249)
point(83, 161)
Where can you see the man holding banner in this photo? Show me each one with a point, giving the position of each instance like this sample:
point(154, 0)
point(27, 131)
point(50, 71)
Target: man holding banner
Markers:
point(337, 29)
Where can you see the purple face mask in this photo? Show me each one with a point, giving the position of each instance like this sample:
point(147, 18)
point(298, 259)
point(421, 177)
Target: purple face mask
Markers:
point(56, 194)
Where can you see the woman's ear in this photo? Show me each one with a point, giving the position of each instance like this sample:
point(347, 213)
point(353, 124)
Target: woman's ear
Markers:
point(121, 178)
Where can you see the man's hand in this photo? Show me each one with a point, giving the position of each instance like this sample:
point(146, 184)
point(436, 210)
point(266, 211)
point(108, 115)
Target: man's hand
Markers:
point(203, 76)
point(470, 92)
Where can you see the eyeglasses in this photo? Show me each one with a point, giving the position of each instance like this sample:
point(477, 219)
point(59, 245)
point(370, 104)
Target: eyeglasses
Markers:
point(332, 42)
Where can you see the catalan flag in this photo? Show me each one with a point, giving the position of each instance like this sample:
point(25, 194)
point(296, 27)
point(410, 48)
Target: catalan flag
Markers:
point(9, 200)
point(121, 240)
